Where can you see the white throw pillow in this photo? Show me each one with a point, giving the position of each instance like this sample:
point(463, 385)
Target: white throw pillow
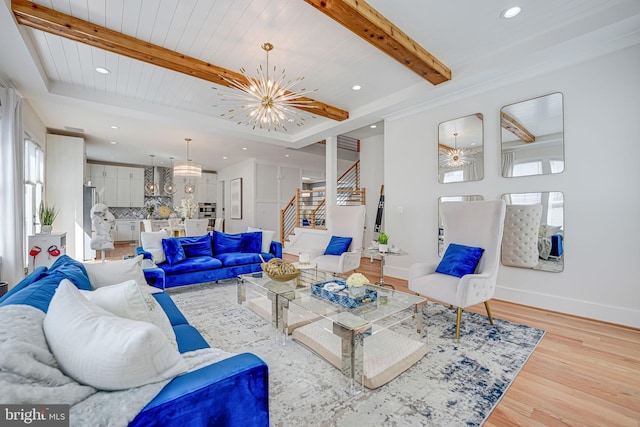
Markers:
point(151, 242)
point(267, 237)
point(129, 301)
point(111, 272)
point(100, 349)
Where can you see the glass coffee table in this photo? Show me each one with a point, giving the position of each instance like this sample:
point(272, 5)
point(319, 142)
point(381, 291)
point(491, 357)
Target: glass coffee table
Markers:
point(267, 297)
point(359, 341)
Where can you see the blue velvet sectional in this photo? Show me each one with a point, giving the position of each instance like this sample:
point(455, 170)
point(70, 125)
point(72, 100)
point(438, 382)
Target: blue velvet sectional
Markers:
point(232, 392)
point(208, 258)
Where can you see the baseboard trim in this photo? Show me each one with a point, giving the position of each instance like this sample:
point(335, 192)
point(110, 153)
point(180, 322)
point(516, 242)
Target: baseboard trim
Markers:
point(587, 309)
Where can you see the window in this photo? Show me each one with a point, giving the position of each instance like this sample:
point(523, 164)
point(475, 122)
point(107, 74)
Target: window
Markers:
point(453, 176)
point(527, 169)
point(33, 185)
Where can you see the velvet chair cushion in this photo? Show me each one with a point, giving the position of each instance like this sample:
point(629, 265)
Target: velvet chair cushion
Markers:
point(338, 245)
point(173, 250)
point(224, 243)
point(251, 242)
point(459, 260)
point(196, 246)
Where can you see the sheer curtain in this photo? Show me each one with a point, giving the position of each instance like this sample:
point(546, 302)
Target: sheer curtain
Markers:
point(11, 186)
point(507, 163)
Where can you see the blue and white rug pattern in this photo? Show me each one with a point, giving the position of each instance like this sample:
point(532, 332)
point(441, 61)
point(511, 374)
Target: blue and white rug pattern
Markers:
point(458, 383)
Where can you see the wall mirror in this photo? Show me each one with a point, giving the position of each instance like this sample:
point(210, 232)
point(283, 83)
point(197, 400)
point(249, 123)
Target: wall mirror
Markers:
point(533, 137)
point(460, 149)
point(472, 198)
point(534, 231)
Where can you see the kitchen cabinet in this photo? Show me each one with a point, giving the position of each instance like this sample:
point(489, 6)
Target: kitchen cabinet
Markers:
point(104, 178)
point(206, 188)
point(127, 230)
point(129, 187)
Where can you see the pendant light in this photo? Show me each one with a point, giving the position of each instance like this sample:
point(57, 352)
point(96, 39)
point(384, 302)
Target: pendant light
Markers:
point(187, 168)
point(151, 187)
point(169, 186)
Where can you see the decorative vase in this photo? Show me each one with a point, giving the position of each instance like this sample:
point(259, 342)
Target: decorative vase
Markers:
point(357, 291)
point(383, 248)
point(46, 229)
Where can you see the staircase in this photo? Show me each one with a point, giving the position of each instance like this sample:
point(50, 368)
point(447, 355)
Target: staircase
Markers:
point(307, 208)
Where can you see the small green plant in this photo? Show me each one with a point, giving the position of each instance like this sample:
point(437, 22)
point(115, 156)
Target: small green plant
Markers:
point(383, 238)
point(47, 214)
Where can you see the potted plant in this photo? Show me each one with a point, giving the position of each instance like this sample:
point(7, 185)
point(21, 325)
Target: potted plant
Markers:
point(383, 240)
point(47, 215)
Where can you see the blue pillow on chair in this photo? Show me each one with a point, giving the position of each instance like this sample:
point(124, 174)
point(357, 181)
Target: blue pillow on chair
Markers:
point(459, 260)
point(173, 250)
point(338, 245)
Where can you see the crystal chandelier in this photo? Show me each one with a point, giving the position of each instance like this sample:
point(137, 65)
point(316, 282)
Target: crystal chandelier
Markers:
point(264, 101)
point(454, 157)
point(187, 168)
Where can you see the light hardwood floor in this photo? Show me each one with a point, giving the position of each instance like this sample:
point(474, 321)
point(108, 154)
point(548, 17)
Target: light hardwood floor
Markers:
point(583, 373)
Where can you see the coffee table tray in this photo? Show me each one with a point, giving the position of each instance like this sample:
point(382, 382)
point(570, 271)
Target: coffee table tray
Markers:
point(342, 297)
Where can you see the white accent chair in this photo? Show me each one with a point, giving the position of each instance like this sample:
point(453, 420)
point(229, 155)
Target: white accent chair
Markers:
point(195, 227)
point(343, 221)
point(478, 224)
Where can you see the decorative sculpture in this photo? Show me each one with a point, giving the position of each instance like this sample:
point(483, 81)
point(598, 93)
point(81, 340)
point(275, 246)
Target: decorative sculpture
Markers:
point(103, 222)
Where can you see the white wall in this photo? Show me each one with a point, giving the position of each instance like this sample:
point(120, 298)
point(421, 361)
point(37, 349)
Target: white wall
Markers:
point(32, 124)
point(64, 176)
point(600, 185)
point(371, 178)
point(246, 171)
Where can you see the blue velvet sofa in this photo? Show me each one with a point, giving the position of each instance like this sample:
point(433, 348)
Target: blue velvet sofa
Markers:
point(231, 392)
point(208, 258)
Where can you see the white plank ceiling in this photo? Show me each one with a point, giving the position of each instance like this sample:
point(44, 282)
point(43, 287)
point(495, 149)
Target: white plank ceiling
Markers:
point(156, 109)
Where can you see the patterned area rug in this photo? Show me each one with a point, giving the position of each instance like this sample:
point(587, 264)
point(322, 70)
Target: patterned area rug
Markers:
point(458, 383)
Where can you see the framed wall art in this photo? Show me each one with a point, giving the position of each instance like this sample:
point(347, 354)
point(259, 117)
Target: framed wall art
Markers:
point(235, 191)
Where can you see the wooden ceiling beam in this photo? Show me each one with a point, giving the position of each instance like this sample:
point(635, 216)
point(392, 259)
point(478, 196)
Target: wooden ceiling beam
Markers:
point(516, 128)
point(362, 19)
point(48, 20)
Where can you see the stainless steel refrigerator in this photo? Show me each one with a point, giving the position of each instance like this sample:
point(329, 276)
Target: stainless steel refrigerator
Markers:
point(89, 201)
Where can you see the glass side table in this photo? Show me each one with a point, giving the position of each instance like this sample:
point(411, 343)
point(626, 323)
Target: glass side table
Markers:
point(375, 253)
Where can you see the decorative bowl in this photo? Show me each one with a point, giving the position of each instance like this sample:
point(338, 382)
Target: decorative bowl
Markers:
point(279, 270)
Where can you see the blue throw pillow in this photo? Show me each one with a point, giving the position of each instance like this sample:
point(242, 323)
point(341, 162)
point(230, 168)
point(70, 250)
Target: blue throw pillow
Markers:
point(224, 243)
point(196, 246)
point(459, 260)
point(173, 250)
point(251, 242)
point(338, 245)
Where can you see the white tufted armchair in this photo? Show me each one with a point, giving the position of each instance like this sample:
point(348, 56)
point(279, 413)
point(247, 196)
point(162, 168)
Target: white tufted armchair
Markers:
point(478, 224)
point(520, 239)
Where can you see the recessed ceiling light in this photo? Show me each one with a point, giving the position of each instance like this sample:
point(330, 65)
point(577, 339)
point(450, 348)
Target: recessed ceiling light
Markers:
point(356, 87)
point(224, 157)
point(244, 148)
point(511, 12)
point(102, 70)
point(373, 126)
point(287, 155)
point(112, 142)
point(115, 127)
